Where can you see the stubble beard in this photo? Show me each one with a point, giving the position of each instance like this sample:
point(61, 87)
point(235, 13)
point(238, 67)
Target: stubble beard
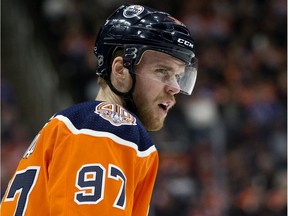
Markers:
point(150, 118)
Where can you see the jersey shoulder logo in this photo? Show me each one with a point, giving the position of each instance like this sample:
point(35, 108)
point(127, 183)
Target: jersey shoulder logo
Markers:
point(115, 114)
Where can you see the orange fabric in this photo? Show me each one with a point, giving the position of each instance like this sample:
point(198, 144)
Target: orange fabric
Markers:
point(81, 174)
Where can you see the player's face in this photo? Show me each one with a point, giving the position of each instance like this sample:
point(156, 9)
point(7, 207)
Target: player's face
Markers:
point(156, 86)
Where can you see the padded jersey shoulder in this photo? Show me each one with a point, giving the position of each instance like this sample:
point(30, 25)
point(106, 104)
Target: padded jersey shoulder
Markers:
point(107, 117)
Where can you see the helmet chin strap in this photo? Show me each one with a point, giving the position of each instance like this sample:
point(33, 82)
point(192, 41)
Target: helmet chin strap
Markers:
point(126, 96)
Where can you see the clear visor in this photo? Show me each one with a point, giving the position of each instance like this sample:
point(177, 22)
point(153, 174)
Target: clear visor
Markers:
point(187, 81)
point(182, 81)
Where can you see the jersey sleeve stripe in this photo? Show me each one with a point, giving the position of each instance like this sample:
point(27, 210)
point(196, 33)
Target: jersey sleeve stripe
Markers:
point(113, 137)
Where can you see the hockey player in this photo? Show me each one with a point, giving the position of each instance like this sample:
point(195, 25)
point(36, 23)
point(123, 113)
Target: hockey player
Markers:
point(96, 158)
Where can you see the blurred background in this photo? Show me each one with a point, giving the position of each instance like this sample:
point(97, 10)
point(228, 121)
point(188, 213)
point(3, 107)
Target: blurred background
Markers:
point(223, 151)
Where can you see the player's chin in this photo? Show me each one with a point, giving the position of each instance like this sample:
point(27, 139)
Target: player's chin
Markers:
point(155, 125)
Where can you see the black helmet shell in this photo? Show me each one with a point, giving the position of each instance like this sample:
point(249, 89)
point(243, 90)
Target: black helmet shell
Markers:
point(137, 28)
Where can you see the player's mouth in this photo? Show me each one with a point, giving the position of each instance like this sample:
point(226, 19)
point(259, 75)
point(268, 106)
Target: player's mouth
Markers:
point(165, 106)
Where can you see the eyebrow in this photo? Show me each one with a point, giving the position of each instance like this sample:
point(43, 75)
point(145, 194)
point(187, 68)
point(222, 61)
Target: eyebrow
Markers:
point(164, 66)
point(169, 68)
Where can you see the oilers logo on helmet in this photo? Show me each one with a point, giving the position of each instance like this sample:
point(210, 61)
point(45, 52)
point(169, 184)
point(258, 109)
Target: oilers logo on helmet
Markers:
point(133, 11)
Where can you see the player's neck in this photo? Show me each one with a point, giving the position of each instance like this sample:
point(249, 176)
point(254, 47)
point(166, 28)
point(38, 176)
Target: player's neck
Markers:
point(107, 95)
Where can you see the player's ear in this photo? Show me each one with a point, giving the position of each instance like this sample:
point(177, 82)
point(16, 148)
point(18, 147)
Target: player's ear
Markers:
point(120, 77)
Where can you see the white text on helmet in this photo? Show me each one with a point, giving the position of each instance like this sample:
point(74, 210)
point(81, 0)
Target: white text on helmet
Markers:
point(185, 42)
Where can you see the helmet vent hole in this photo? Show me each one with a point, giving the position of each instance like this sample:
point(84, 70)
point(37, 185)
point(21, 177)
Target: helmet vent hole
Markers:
point(159, 26)
point(167, 36)
point(181, 29)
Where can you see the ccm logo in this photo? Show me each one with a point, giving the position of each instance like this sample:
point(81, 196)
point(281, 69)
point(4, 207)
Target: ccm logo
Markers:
point(185, 42)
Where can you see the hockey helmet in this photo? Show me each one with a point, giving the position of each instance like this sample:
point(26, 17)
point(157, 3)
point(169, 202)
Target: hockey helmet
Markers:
point(137, 28)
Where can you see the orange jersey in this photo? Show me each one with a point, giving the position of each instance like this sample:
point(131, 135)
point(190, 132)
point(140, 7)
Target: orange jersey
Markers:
point(94, 158)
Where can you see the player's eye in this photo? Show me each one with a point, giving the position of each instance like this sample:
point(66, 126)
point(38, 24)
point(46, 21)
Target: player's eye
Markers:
point(167, 75)
point(164, 74)
point(179, 77)
point(162, 71)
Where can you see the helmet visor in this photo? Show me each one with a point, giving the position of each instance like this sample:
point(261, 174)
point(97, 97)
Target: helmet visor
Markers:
point(187, 81)
point(182, 80)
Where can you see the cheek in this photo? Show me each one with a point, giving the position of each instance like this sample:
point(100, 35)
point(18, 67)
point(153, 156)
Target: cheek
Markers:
point(146, 90)
point(143, 83)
